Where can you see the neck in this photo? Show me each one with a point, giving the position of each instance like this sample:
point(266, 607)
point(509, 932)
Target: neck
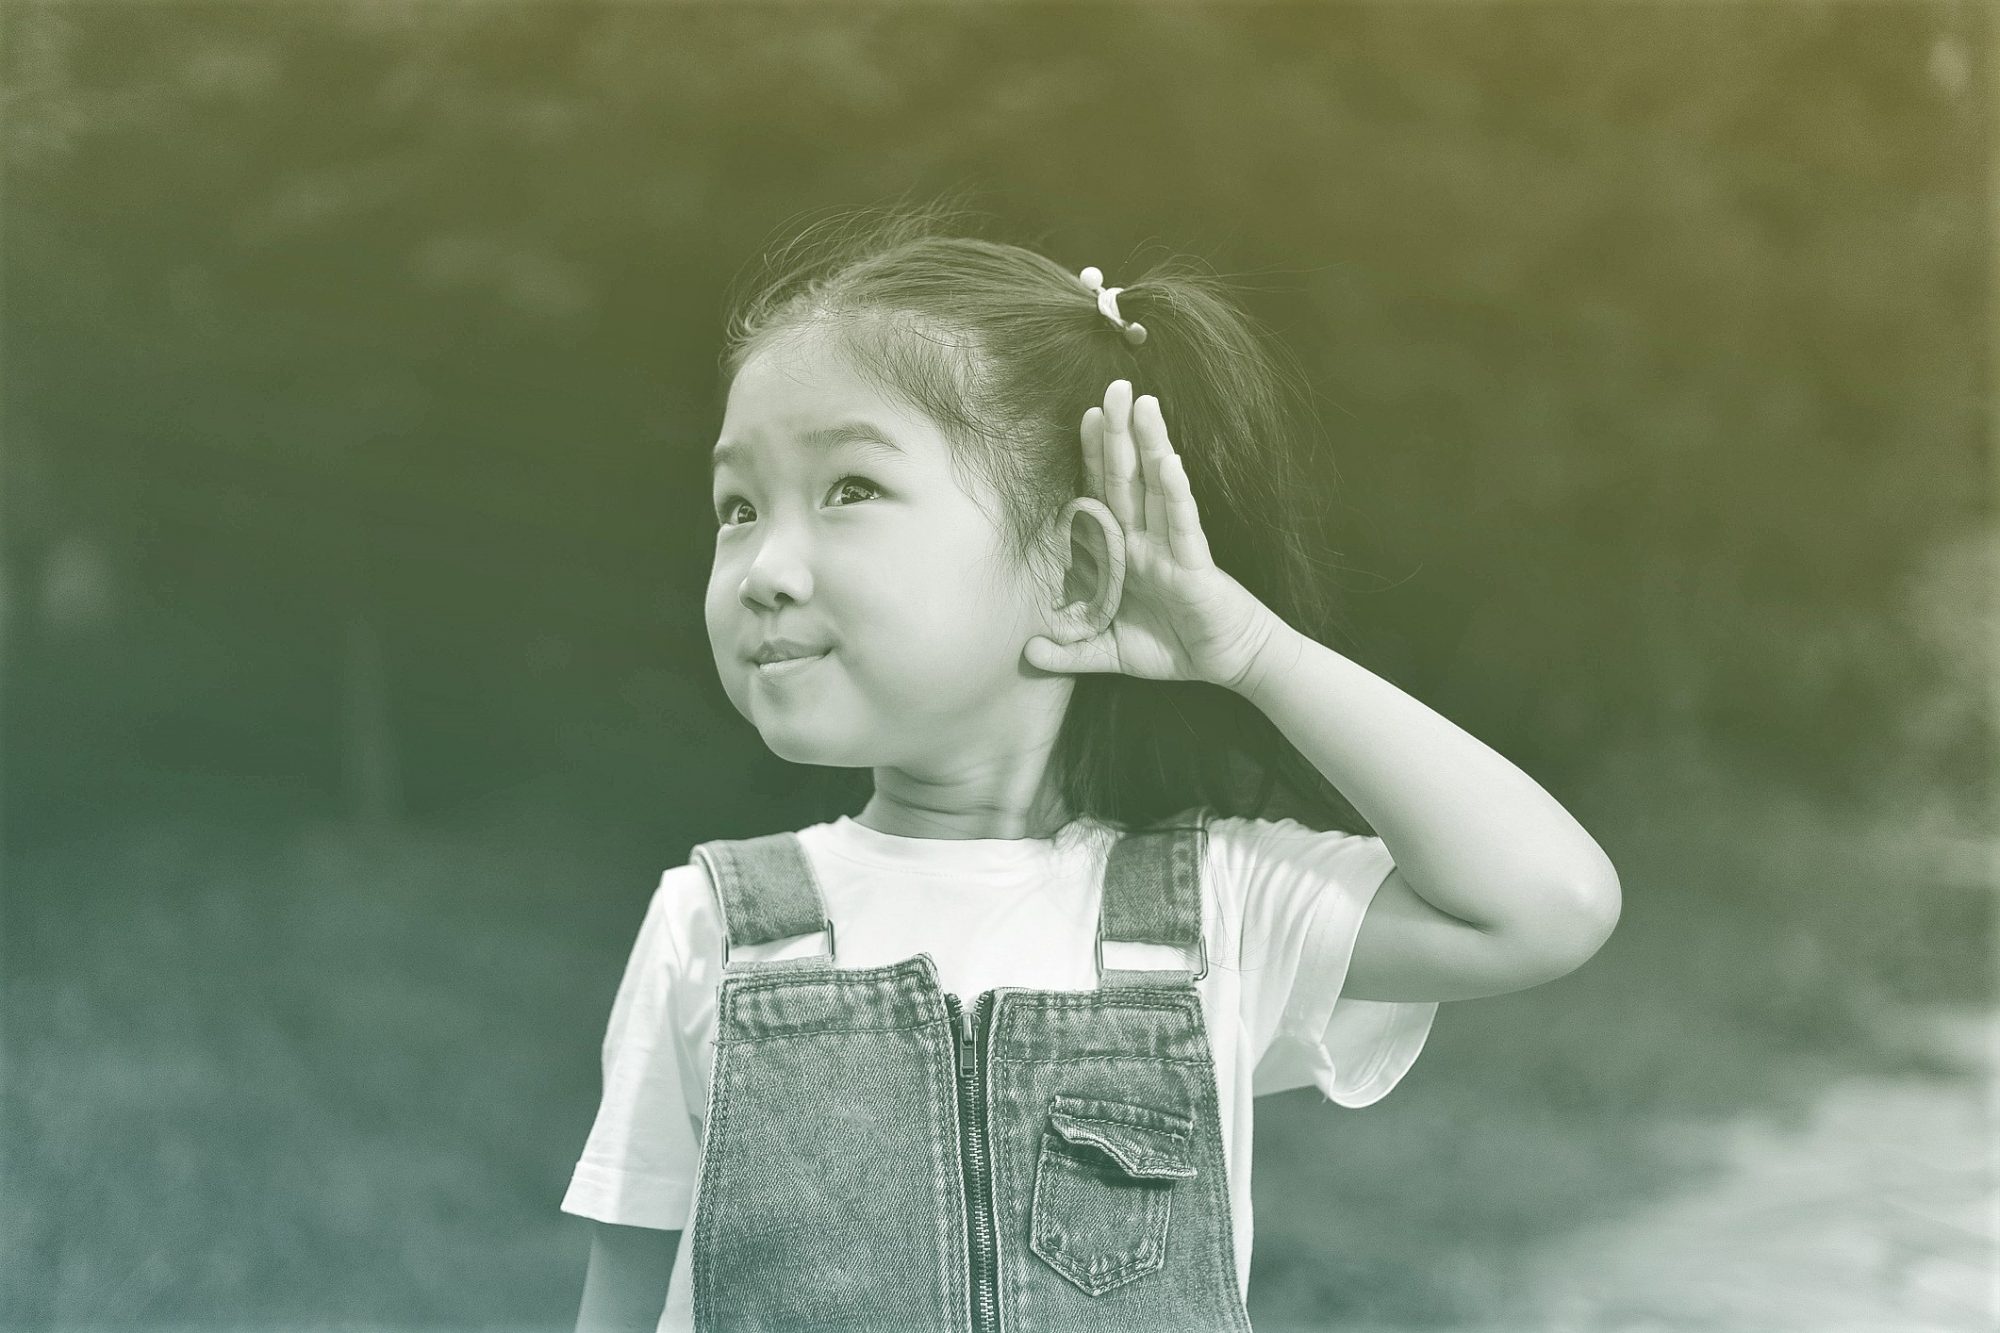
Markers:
point(887, 815)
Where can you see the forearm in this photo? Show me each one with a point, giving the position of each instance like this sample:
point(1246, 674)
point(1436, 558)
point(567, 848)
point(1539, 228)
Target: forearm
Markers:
point(625, 1286)
point(1471, 833)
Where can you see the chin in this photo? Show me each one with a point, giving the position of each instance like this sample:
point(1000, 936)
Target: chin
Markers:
point(796, 747)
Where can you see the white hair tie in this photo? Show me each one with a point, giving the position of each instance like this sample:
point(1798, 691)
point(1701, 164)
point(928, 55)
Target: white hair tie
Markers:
point(1107, 301)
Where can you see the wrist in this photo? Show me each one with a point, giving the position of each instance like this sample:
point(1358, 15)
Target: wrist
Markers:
point(1275, 653)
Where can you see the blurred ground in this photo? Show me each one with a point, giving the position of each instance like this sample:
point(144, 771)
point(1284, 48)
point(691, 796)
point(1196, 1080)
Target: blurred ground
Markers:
point(296, 1076)
point(1878, 1212)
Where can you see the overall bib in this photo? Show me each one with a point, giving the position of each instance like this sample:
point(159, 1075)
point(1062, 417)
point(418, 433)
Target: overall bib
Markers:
point(880, 1155)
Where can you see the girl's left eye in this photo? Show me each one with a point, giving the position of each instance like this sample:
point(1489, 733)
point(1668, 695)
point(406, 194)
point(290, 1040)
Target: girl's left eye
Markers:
point(862, 482)
point(728, 506)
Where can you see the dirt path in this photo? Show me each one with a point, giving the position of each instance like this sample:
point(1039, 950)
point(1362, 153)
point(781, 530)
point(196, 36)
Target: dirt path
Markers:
point(1878, 1213)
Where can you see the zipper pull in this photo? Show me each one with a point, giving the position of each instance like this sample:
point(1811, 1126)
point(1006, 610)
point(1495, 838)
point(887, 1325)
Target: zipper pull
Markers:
point(965, 1065)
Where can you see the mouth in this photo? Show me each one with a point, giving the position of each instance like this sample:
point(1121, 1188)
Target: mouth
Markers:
point(786, 666)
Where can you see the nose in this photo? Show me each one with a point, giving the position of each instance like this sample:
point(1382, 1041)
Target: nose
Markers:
point(778, 570)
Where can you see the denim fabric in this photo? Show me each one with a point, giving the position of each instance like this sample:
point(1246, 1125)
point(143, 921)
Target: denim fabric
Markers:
point(864, 1167)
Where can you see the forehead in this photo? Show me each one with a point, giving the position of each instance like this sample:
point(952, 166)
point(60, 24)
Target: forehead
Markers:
point(802, 394)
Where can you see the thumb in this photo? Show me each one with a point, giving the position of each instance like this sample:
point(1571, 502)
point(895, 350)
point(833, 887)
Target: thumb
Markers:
point(1047, 655)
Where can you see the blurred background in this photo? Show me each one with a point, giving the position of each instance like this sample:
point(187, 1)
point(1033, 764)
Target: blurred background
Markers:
point(358, 372)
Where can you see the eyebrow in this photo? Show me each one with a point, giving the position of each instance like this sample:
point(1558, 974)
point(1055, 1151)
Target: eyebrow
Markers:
point(874, 440)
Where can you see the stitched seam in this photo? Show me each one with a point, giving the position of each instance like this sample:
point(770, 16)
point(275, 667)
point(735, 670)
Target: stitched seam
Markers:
point(701, 1268)
point(1375, 1066)
point(1209, 1108)
point(1134, 1124)
point(1074, 1153)
point(1082, 1274)
point(1062, 1099)
point(1393, 1031)
point(1100, 999)
point(817, 1032)
point(749, 981)
point(1089, 1059)
point(941, 1144)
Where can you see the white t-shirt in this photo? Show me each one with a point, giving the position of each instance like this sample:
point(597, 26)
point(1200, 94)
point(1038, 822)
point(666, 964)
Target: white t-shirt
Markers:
point(1282, 904)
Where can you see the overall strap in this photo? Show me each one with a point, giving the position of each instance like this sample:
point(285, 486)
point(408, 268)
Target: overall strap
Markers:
point(766, 891)
point(1152, 895)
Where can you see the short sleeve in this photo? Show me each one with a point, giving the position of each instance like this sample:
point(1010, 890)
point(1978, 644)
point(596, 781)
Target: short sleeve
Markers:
point(638, 1165)
point(1304, 893)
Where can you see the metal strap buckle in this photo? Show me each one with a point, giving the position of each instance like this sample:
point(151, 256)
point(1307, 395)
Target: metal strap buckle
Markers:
point(827, 928)
point(1202, 942)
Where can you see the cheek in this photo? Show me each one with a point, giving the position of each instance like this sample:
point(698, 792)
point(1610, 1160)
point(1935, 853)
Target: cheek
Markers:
point(714, 611)
point(724, 620)
point(951, 627)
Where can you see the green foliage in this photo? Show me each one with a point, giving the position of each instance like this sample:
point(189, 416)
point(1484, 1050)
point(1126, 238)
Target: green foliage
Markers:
point(1651, 340)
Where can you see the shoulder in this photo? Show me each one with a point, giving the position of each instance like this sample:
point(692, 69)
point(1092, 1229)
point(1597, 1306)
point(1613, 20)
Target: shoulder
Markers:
point(679, 885)
point(1284, 869)
point(678, 948)
point(1240, 843)
point(680, 916)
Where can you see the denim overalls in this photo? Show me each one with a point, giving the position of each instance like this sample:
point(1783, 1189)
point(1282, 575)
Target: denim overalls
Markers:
point(878, 1156)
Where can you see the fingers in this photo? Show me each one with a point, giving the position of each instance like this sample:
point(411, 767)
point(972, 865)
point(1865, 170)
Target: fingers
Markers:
point(1188, 542)
point(1120, 460)
point(1149, 431)
point(1170, 506)
point(1130, 461)
point(1093, 453)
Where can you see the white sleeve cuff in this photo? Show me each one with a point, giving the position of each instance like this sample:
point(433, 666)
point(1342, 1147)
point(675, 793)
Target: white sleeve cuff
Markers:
point(660, 1202)
point(1368, 1046)
point(1353, 1050)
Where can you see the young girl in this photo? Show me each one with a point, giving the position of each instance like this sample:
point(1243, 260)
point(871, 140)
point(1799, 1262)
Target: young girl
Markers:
point(982, 1055)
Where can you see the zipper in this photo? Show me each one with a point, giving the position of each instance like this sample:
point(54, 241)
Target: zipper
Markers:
point(968, 1030)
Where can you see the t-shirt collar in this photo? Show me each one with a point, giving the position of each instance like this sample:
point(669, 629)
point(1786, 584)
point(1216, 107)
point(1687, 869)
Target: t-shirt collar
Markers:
point(857, 842)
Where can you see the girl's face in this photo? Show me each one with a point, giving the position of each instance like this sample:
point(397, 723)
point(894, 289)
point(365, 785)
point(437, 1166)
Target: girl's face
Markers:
point(843, 528)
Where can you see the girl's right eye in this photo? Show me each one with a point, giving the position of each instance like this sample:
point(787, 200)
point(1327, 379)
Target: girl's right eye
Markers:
point(727, 509)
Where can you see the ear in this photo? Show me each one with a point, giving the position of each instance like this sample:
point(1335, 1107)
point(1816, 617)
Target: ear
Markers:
point(1093, 576)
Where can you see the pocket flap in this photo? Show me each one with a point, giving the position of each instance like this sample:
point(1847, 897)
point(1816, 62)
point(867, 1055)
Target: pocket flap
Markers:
point(1144, 1140)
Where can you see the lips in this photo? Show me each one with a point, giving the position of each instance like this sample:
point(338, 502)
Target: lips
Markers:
point(790, 666)
point(778, 650)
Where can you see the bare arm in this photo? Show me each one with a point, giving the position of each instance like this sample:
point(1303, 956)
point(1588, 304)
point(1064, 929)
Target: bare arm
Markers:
point(625, 1288)
point(1496, 887)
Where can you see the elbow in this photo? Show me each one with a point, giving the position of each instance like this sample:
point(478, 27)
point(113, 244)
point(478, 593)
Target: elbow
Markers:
point(1588, 916)
point(1563, 931)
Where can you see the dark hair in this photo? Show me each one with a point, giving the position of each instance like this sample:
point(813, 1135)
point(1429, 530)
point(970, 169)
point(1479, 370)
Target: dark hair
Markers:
point(1004, 348)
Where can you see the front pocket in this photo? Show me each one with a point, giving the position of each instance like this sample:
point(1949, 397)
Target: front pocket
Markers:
point(1104, 1189)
